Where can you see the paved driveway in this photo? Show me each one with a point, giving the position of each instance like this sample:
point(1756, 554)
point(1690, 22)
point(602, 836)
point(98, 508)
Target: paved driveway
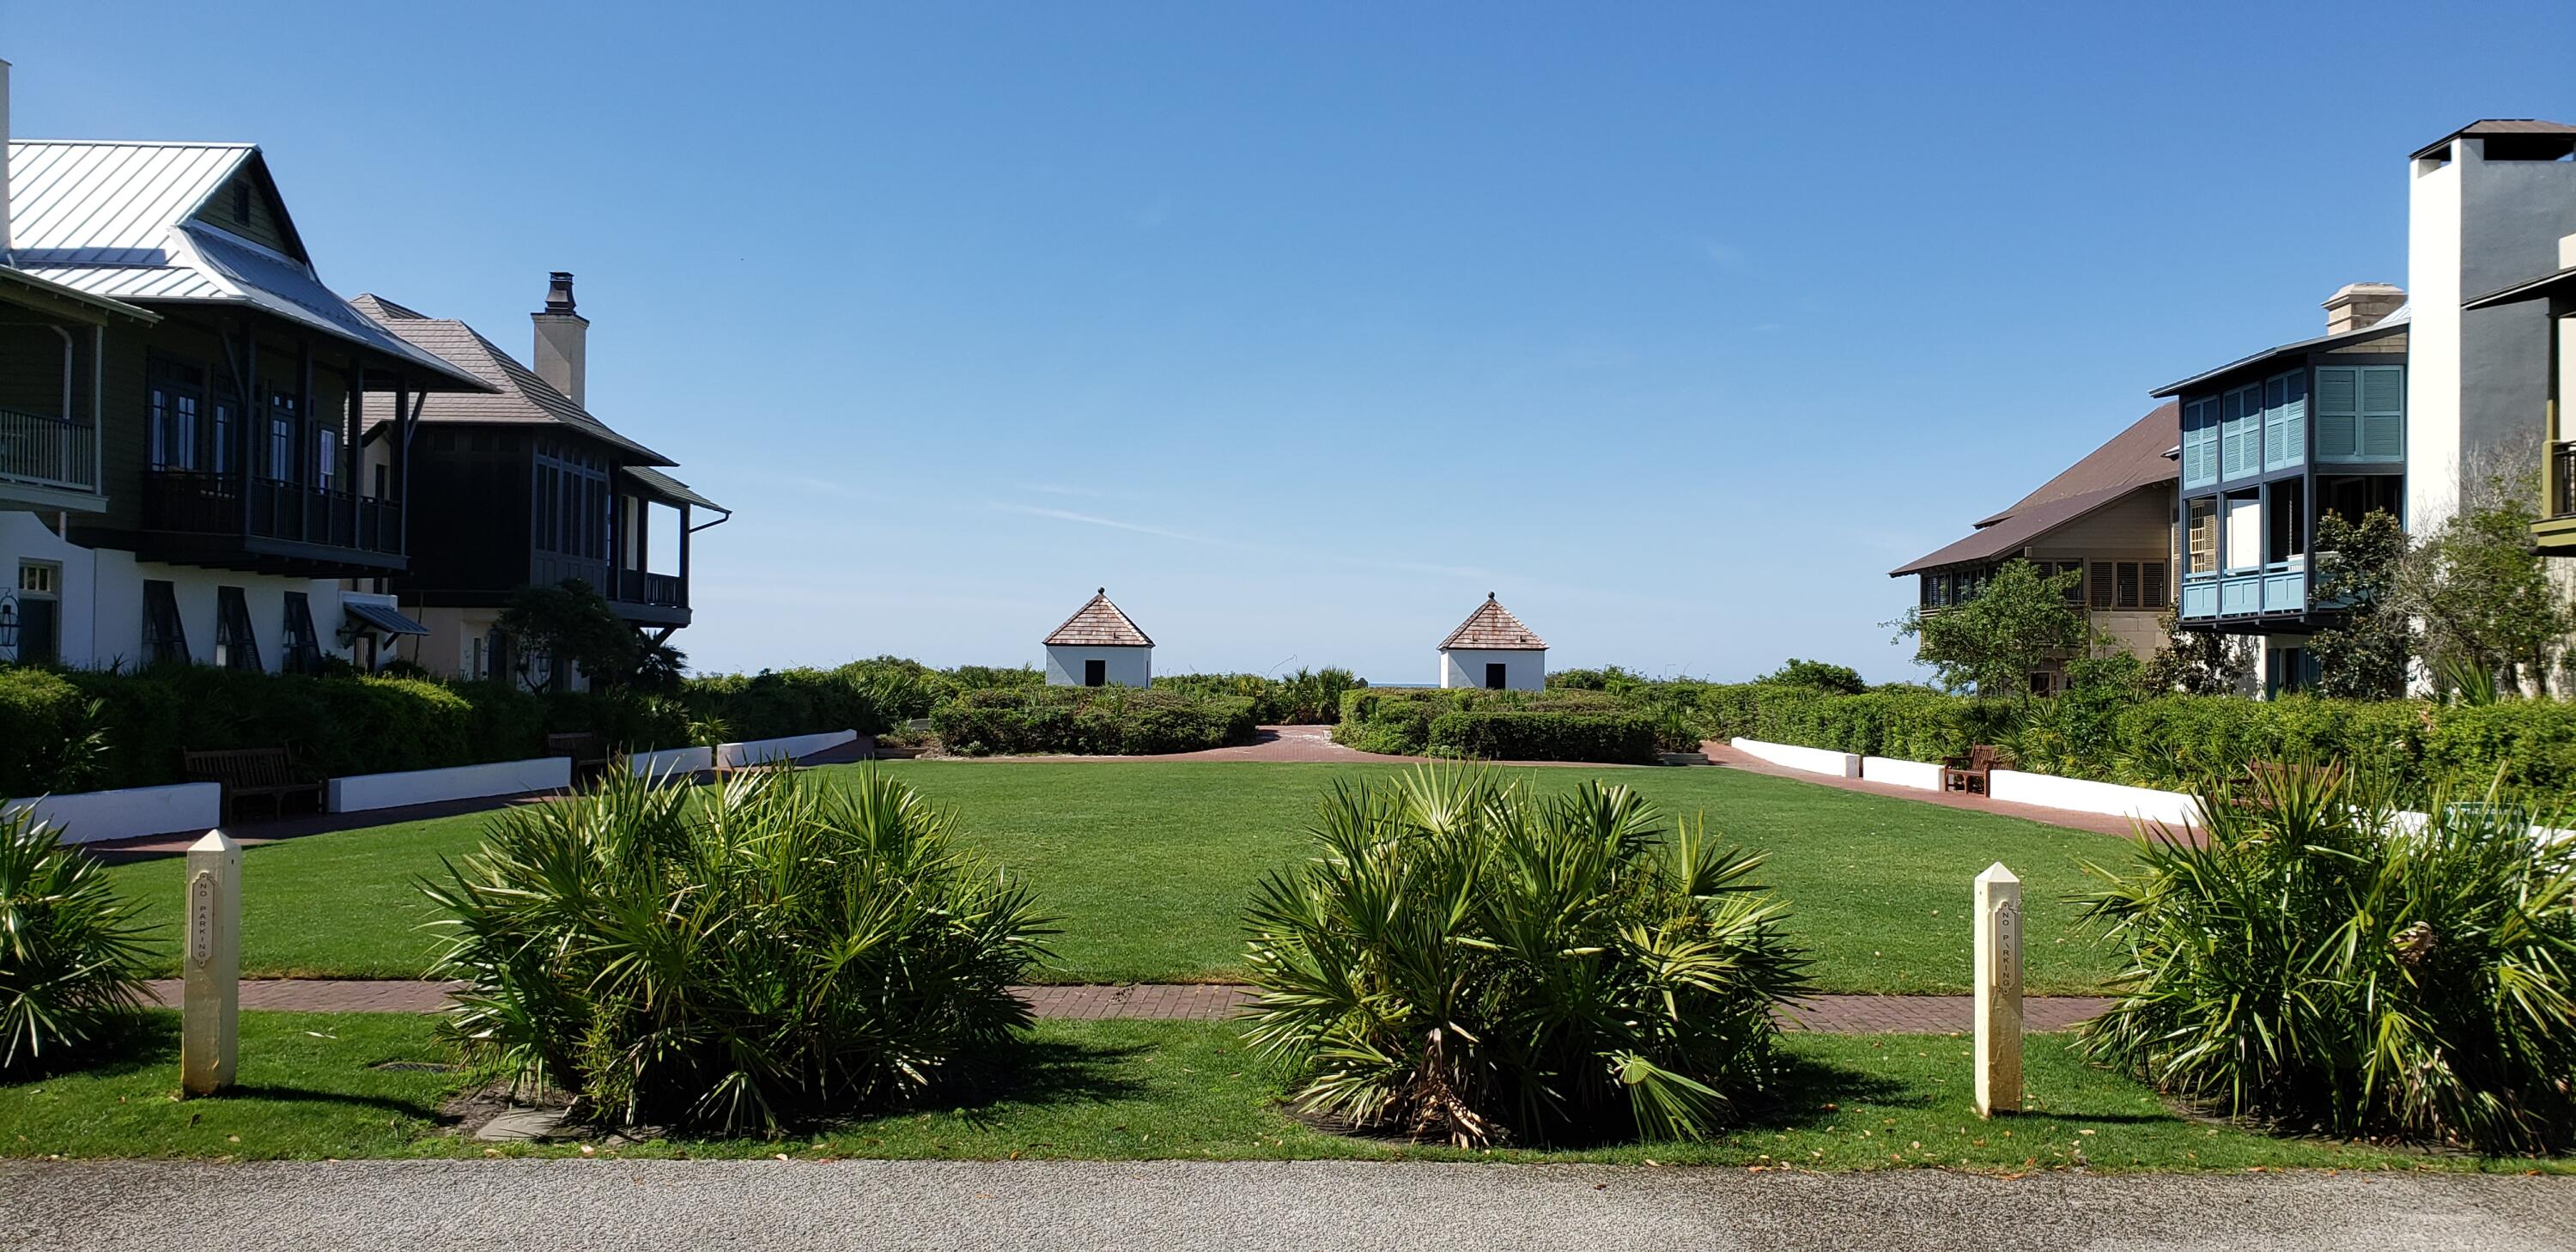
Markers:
point(640, 1206)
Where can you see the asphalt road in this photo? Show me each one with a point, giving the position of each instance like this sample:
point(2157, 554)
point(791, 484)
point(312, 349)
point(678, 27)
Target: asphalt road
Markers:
point(1300, 1205)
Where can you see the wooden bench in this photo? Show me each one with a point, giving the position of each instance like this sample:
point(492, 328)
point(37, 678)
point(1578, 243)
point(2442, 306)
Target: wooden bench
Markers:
point(1970, 774)
point(243, 772)
point(589, 752)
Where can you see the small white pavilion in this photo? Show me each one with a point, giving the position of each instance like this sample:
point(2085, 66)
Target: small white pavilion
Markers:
point(1099, 646)
point(1491, 649)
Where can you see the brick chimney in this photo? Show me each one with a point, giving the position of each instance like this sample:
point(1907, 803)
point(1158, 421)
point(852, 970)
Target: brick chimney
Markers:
point(563, 338)
point(2357, 305)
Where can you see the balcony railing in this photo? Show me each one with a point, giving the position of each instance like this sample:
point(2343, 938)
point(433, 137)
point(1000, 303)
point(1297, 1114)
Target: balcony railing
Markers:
point(2562, 480)
point(199, 502)
point(2281, 587)
point(659, 590)
point(48, 451)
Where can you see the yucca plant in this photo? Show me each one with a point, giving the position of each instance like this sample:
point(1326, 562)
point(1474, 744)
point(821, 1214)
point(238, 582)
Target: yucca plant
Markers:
point(769, 954)
point(1463, 961)
point(2325, 962)
point(71, 953)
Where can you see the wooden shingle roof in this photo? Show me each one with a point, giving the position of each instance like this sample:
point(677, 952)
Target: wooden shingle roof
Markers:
point(1098, 624)
point(1492, 626)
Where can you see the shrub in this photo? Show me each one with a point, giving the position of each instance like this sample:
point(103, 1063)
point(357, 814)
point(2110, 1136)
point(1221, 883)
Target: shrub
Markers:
point(1465, 962)
point(767, 955)
point(1397, 720)
point(71, 952)
point(1102, 721)
point(2319, 965)
point(773, 704)
point(1817, 676)
point(1305, 698)
point(1508, 735)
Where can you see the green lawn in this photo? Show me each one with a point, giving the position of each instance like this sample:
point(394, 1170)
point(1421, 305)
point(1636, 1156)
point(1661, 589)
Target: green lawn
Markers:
point(1149, 865)
point(1144, 1090)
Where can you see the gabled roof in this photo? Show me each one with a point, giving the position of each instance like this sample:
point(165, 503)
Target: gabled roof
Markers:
point(1098, 624)
point(518, 396)
point(1493, 627)
point(2504, 127)
point(666, 485)
point(2131, 461)
point(2397, 320)
point(96, 307)
point(119, 220)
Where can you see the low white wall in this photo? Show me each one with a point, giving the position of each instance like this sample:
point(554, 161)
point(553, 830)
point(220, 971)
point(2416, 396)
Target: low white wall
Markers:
point(359, 792)
point(1812, 760)
point(1920, 775)
point(670, 761)
point(763, 751)
point(2173, 808)
point(90, 816)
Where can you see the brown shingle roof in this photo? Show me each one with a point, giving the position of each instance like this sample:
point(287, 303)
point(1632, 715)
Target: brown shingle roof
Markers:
point(523, 397)
point(1098, 624)
point(1492, 626)
point(2133, 459)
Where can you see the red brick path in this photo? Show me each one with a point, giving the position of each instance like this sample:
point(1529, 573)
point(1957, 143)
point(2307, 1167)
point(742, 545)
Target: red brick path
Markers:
point(1192, 1002)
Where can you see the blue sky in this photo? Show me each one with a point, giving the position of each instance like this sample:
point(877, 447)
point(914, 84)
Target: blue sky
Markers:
point(1302, 327)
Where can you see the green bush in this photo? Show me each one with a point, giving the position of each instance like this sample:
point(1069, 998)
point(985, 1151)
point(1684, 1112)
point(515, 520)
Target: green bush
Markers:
point(1397, 720)
point(72, 955)
point(775, 954)
point(1305, 698)
point(1462, 961)
point(774, 704)
point(1512, 735)
point(1095, 721)
point(2317, 964)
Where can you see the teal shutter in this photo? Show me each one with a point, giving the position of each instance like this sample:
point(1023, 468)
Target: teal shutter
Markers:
point(2195, 421)
point(2383, 413)
point(2338, 413)
point(2276, 417)
point(2231, 435)
point(2294, 419)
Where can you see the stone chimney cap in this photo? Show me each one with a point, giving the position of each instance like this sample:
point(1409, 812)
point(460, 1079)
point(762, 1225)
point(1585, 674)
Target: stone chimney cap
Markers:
point(559, 293)
point(2342, 292)
point(2358, 306)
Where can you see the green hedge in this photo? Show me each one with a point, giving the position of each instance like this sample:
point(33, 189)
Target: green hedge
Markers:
point(1507, 735)
point(2171, 741)
point(1100, 721)
point(1305, 698)
point(1398, 720)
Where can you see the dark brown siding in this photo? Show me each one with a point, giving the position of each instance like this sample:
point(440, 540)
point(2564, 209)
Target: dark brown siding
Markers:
point(264, 223)
point(469, 515)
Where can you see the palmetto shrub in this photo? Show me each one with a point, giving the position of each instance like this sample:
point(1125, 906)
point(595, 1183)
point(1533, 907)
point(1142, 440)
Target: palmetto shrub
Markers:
point(771, 954)
point(71, 953)
point(1464, 961)
point(2325, 963)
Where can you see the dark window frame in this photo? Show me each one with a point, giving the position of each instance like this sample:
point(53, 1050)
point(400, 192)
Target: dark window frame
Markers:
point(236, 642)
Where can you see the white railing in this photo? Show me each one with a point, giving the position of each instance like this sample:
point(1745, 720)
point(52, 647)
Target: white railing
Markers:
point(48, 451)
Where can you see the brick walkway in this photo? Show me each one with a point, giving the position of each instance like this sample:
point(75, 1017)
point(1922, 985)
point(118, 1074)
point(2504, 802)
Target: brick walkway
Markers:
point(2101, 824)
point(1189, 1002)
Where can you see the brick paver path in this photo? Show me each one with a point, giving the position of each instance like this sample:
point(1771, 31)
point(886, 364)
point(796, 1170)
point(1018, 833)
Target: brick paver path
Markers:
point(1189, 1002)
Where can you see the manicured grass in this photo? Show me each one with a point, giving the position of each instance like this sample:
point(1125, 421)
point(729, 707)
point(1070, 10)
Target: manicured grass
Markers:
point(1149, 865)
point(1153, 1090)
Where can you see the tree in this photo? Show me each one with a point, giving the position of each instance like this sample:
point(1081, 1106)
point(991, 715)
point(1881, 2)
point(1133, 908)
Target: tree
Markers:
point(2482, 593)
point(571, 625)
point(2195, 662)
point(2363, 656)
point(2015, 625)
point(1820, 675)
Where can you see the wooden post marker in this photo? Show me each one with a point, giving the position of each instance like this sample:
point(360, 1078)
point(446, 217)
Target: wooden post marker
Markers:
point(210, 1010)
point(1998, 920)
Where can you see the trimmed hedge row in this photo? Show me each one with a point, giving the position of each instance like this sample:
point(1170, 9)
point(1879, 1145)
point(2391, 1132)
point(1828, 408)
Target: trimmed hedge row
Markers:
point(2172, 741)
point(1098, 721)
point(1402, 721)
point(1305, 698)
point(1506, 735)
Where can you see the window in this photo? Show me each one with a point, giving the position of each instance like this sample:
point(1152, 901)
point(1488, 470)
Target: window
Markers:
point(1095, 673)
point(326, 457)
point(40, 629)
point(2244, 532)
point(2285, 525)
point(2153, 591)
point(165, 641)
point(2102, 581)
point(221, 438)
point(281, 436)
point(173, 395)
point(236, 647)
point(302, 651)
point(2361, 412)
point(570, 508)
point(2201, 536)
point(1497, 675)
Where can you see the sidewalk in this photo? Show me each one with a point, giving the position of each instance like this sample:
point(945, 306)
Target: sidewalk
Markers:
point(1183, 1002)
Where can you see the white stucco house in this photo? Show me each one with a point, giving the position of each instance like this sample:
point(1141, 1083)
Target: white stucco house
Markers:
point(1099, 647)
point(1491, 649)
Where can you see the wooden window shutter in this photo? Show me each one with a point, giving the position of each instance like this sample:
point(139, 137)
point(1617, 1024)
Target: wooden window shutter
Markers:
point(2276, 419)
point(2231, 435)
point(2294, 421)
point(2383, 412)
point(2338, 413)
point(2098, 586)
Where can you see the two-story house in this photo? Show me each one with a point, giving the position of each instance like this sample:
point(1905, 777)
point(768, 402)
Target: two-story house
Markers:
point(2554, 534)
point(2106, 519)
point(183, 399)
point(523, 486)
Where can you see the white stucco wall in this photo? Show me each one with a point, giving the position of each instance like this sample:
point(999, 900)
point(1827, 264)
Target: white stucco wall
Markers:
point(102, 599)
point(1525, 668)
point(1127, 667)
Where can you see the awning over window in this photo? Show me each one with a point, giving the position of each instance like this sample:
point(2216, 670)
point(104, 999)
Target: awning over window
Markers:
point(383, 617)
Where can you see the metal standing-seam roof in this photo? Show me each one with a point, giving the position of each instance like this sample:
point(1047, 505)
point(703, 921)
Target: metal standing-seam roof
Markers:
point(518, 396)
point(673, 488)
point(1492, 627)
point(115, 219)
point(1098, 624)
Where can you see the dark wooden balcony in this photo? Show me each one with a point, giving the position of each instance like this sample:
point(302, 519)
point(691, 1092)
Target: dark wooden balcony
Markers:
point(205, 518)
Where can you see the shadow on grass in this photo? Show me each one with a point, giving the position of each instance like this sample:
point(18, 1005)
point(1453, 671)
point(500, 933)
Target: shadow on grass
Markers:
point(146, 1039)
point(1036, 1073)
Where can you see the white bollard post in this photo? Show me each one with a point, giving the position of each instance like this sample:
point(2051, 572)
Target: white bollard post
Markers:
point(1998, 979)
point(210, 1011)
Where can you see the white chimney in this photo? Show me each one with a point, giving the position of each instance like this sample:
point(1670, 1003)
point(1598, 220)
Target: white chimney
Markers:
point(563, 338)
point(2356, 305)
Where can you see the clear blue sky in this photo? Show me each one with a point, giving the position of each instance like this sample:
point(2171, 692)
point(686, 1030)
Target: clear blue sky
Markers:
point(1302, 327)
